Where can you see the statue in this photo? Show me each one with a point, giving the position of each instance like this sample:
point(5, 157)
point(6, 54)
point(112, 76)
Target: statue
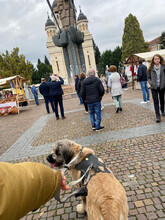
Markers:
point(69, 37)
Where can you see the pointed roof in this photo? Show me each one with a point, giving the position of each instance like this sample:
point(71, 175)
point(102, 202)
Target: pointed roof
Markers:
point(54, 4)
point(49, 22)
point(81, 16)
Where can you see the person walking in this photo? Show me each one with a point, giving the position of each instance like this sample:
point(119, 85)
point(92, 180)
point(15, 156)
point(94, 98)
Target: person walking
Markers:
point(44, 90)
point(82, 77)
point(56, 92)
point(156, 78)
point(115, 87)
point(76, 78)
point(92, 91)
point(142, 79)
point(35, 93)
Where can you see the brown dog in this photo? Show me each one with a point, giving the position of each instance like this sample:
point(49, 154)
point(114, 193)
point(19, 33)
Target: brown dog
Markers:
point(106, 199)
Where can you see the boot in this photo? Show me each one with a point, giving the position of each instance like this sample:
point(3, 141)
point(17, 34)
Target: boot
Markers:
point(158, 119)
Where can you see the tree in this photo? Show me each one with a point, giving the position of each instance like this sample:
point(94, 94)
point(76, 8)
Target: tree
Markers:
point(46, 61)
point(43, 70)
point(162, 40)
point(15, 64)
point(97, 53)
point(109, 58)
point(105, 60)
point(116, 56)
point(133, 40)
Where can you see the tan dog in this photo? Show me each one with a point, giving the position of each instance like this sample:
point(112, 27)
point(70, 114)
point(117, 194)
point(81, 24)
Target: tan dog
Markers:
point(106, 199)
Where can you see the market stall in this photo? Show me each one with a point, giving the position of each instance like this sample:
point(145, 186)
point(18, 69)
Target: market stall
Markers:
point(15, 95)
point(131, 62)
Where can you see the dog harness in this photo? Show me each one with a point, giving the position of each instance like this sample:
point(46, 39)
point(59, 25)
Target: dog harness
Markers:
point(85, 166)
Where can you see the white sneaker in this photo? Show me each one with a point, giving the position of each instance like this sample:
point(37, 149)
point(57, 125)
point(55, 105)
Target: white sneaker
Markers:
point(102, 107)
point(148, 101)
point(86, 112)
point(143, 102)
point(126, 89)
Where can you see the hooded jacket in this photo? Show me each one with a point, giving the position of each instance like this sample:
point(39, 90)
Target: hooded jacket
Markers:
point(24, 187)
point(92, 90)
point(152, 78)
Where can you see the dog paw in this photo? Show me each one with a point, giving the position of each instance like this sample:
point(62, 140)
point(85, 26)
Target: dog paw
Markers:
point(80, 209)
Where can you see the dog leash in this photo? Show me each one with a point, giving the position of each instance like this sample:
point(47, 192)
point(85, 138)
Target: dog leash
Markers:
point(77, 191)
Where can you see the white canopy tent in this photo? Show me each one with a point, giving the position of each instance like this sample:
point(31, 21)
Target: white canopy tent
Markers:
point(16, 83)
point(147, 57)
point(5, 82)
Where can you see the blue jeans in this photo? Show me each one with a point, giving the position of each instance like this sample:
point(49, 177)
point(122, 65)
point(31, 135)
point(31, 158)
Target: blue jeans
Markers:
point(145, 90)
point(95, 114)
point(81, 100)
point(36, 99)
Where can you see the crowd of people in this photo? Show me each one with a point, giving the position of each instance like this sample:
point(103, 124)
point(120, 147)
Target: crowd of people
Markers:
point(90, 90)
point(47, 183)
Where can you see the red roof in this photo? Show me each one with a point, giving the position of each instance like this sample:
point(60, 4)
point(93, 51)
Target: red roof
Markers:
point(154, 41)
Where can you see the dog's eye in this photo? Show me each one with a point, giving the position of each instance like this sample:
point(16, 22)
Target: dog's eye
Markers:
point(58, 152)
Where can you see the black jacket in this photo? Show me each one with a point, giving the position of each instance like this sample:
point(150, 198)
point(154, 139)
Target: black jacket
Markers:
point(55, 87)
point(142, 73)
point(76, 83)
point(152, 78)
point(79, 85)
point(44, 89)
point(92, 90)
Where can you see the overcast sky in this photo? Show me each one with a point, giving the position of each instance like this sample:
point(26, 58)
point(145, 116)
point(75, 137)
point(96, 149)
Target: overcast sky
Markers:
point(22, 23)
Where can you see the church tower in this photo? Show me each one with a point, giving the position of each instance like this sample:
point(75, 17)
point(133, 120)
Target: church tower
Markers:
point(88, 48)
point(57, 53)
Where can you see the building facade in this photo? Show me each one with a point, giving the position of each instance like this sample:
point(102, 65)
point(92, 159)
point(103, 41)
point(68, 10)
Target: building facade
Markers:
point(56, 53)
point(154, 44)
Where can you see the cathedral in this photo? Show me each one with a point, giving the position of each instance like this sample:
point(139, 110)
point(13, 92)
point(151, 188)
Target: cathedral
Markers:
point(57, 53)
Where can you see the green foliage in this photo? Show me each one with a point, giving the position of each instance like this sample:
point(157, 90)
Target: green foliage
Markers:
point(46, 61)
point(97, 53)
point(133, 40)
point(14, 64)
point(43, 70)
point(162, 40)
point(109, 58)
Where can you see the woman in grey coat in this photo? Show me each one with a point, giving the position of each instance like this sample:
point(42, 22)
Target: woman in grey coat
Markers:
point(114, 82)
point(156, 78)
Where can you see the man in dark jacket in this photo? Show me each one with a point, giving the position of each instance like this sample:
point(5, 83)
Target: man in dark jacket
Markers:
point(44, 90)
point(92, 91)
point(56, 92)
point(142, 79)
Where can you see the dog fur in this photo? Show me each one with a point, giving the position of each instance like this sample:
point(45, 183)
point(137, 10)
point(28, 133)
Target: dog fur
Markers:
point(106, 199)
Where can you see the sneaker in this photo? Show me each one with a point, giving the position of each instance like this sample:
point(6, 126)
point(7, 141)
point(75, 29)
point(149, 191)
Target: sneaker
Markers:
point(121, 109)
point(148, 101)
point(57, 118)
point(102, 107)
point(143, 102)
point(117, 110)
point(126, 89)
point(63, 117)
point(100, 128)
point(94, 128)
point(86, 112)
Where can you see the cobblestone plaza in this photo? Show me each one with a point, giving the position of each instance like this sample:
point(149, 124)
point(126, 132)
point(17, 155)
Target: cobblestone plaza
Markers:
point(132, 145)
